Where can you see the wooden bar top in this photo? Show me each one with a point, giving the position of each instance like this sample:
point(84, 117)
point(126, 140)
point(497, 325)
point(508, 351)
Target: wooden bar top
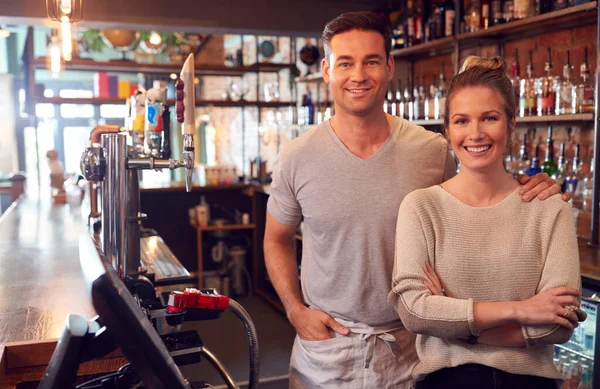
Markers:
point(40, 277)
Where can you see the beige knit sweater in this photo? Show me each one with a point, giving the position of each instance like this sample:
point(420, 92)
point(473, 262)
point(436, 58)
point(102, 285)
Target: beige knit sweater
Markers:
point(509, 251)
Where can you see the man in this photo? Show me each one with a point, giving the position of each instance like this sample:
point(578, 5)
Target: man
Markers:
point(347, 178)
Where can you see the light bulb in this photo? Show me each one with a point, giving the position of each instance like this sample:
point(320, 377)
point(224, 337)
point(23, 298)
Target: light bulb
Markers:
point(4, 33)
point(155, 38)
point(67, 44)
point(65, 7)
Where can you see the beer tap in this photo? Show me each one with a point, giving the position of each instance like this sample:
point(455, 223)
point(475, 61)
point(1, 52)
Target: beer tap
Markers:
point(186, 115)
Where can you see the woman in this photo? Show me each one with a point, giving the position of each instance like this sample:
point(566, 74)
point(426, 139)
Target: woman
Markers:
point(510, 269)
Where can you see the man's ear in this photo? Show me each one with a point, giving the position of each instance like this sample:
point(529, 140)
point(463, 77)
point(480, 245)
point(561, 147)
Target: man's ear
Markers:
point(391, 67)
point(325, 70)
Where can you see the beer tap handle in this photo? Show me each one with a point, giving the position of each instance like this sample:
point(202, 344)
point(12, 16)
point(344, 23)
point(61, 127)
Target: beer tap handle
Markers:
point(185, 106)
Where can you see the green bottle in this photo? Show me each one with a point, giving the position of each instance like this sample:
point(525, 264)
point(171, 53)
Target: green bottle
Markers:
point(549, 165)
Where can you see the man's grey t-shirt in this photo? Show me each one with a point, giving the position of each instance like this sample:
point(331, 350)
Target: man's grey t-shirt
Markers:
point(350, 207)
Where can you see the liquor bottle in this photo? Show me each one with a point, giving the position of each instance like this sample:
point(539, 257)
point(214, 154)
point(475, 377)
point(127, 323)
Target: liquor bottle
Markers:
point(425, 96)
point(535, 167)
point(419, 20)
point(486, 21)
point(524, 9)
point(546, 92)
point(575, 180)
point(585, 90)
point(392, 102)
point(409, 24)
point(388, 98)
point(509, 10)
point(472, 17)
point(439, 101)
point(415, 101)
point(515, 73)
point(310, 110)
point(549, 166)
point(562, 169)
point(527, 92)
point(398, 33)
point(497, 12)
point(448, 17)
point(409, 112)
point(523, 163)
point(588, 189)
point(400, 104)
point(562, 4)
point(422, 96)
point(431, 102)
point(566, 94)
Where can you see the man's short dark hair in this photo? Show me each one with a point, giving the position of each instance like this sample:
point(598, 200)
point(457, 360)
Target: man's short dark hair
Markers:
point(363, 21)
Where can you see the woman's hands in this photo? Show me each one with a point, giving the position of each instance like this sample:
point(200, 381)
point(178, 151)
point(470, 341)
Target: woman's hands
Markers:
point(553, 306)
point(433, 283)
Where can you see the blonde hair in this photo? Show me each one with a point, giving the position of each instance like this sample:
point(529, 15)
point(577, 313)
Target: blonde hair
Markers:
point(487, 72)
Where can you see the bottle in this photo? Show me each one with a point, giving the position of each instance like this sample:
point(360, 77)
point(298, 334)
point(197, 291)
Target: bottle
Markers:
point(310, 110)
point(203, 212)
point(431, 100)
point(486, 21)
point(415, 101)
point(575, 181)
point(497, 10)
point(544, 6)
point(422, 95)
point(439, 101)
point(535, 167)
point(585, 90)
point(523, 163)
point(562, 4)
point(409, 105)
point(527, 92)
point(472, 16)
point(400, 105)
point(388, 98)
point(409, 24)
point(509, 10)
point(515, 73)
point(546, 92)
point(419, 20)
point(588, 190)
point(524, 9)
point(392, 101)
point(449, 17)
point(549, 166)
point(566, 96)
point(398, 33)
point(562, 169)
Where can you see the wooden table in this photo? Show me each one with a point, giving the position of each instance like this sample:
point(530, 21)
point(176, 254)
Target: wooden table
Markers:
point(40, 283)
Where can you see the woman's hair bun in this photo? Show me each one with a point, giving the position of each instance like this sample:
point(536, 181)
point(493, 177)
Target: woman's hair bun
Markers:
point(493, 63)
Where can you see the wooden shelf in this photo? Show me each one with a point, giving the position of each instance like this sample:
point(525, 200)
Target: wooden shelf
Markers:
point(134, 67)
point(199, 103)
point(228, 227)
point(315, 77)
point(576, 16)
point(429, 49)
point(580, 117)
point(423, 122)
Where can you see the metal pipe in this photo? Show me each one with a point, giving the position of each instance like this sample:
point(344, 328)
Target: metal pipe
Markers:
point(151, 163)
point(95, 138)
point(114, 191)
point(132, 259)
point(221, 369)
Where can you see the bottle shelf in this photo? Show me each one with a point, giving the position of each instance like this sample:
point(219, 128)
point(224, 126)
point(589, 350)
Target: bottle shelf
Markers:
point(315, 77)
point(134, 67)
point(576, 16)
point(170, 102)
point(580, 117)
point(227, 227)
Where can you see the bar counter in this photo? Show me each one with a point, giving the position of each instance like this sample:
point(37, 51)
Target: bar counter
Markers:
point(41, 282)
